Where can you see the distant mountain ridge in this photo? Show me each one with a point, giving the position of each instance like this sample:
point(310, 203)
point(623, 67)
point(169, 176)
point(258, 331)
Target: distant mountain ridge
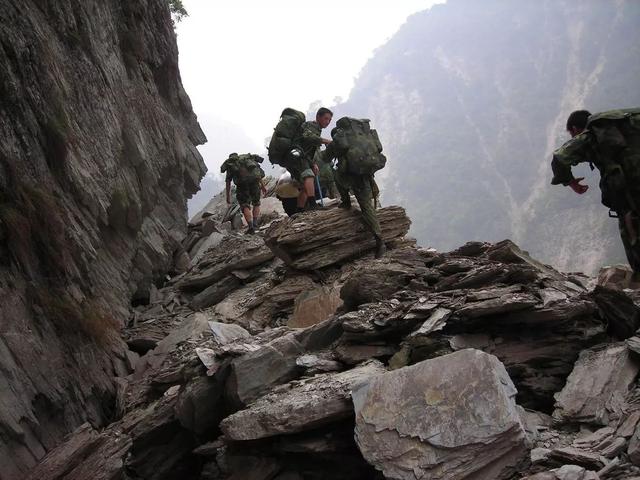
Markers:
point(470, 99)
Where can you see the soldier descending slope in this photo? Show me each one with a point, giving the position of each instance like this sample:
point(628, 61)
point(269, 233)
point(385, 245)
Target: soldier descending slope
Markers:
point(359, 153)
point(247, 175)
point(610, 141)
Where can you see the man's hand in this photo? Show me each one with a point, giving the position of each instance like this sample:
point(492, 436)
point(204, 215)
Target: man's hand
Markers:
point(315, 168)
point(577, 187)
point(263, 189)
point(326, 141)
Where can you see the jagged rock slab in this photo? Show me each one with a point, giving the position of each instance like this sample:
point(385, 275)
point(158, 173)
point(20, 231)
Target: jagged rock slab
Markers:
point(596, 387)
point(224, 333)
point(452, 417)
point(300, 405)
point(276, 362)
point(619, 310)
point(314, 306)
point(193, 327)
point(566, 472)
point(373, 283)
point(147, 443)
point(248, 251)
point(575, 456)
point(634, 447)
point(615, 277)
point(321, 238)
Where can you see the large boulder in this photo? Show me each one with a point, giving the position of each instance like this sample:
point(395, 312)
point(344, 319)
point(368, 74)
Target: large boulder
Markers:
point(451, 417)
point(321, 238)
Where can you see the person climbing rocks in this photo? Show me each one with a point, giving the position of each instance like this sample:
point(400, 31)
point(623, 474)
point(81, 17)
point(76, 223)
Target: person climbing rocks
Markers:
point(359, 153)
point(610, 142)
point(247, 175)
point(301, 164)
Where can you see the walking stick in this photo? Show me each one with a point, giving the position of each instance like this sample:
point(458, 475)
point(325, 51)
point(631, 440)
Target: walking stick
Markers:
point(319, 190)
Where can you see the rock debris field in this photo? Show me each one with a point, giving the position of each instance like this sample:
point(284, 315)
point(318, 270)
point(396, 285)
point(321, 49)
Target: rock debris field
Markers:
point(293, 354)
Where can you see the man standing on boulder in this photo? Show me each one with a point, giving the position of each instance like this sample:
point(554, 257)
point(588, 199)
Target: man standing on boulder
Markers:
point(359, 154)
point(247, 175)
point(609, 141)
point(302, 166)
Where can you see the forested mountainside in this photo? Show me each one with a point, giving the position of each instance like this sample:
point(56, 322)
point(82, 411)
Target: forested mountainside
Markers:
point(470, 99)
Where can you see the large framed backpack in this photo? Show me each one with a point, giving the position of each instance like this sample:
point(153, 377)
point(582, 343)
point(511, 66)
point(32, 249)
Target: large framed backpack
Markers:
point(617, 134)
point(243, 168)
point(284, 133)
point(358, 146)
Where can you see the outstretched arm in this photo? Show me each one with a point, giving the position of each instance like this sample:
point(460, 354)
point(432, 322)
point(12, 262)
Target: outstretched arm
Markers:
point(575, 151)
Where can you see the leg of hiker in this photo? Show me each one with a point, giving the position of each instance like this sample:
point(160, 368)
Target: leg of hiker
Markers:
point(342, 185)
point(361, 186)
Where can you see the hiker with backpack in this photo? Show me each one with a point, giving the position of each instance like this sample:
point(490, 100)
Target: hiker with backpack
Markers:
point(247, 176)
point(294, 145)
point(610, 142)
point(359, 152)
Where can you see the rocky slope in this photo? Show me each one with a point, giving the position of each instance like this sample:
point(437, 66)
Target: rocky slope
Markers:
point(470, 99)
point(97, 158)
point(263, 362)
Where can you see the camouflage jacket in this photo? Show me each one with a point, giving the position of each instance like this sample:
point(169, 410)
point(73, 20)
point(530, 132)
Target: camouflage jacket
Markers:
point(309, 139)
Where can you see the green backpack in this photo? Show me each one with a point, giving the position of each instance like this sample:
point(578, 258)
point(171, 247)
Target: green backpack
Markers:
point(286, 130)
point(358, 145)
point(617, 133)
point(243, 168)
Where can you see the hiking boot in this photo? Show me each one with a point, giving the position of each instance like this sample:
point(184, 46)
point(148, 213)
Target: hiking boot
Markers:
point(345, 205)
point(381, 248)
point(312, 206)
point(250, 230)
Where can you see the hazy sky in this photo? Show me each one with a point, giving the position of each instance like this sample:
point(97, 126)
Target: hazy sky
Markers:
point(244, 61)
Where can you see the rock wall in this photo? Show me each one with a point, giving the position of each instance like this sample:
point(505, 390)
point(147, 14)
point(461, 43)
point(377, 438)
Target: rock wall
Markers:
point(97, 158)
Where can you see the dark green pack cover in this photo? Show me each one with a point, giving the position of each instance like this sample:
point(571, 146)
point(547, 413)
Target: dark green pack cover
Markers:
point(243, 168)
point(359, 146)
point(617, 133)
point(282, 140)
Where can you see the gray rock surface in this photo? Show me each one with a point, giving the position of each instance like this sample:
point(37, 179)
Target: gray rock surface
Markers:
point(596, 389)
point(306, 244)
point(452, 417)
point(300, 405)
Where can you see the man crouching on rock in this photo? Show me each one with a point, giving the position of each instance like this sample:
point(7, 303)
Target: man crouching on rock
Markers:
point(247, 176)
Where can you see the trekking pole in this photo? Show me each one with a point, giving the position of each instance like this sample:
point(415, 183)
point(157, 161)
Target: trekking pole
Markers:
point(319, 190)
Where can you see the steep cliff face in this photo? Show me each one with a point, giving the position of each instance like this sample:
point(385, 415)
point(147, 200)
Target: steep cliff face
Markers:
point(97, 157)
point(470, 99)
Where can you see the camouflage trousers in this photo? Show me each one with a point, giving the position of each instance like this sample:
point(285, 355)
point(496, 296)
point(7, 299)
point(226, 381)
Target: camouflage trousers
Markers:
point(631, 242)
point(248, 194)
point(363, 187)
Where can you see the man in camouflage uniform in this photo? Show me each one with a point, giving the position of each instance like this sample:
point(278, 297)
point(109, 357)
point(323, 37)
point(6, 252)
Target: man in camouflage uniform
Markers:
point(366, 192)
point(609, 141)
point(303, 167)
point(247, 176)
